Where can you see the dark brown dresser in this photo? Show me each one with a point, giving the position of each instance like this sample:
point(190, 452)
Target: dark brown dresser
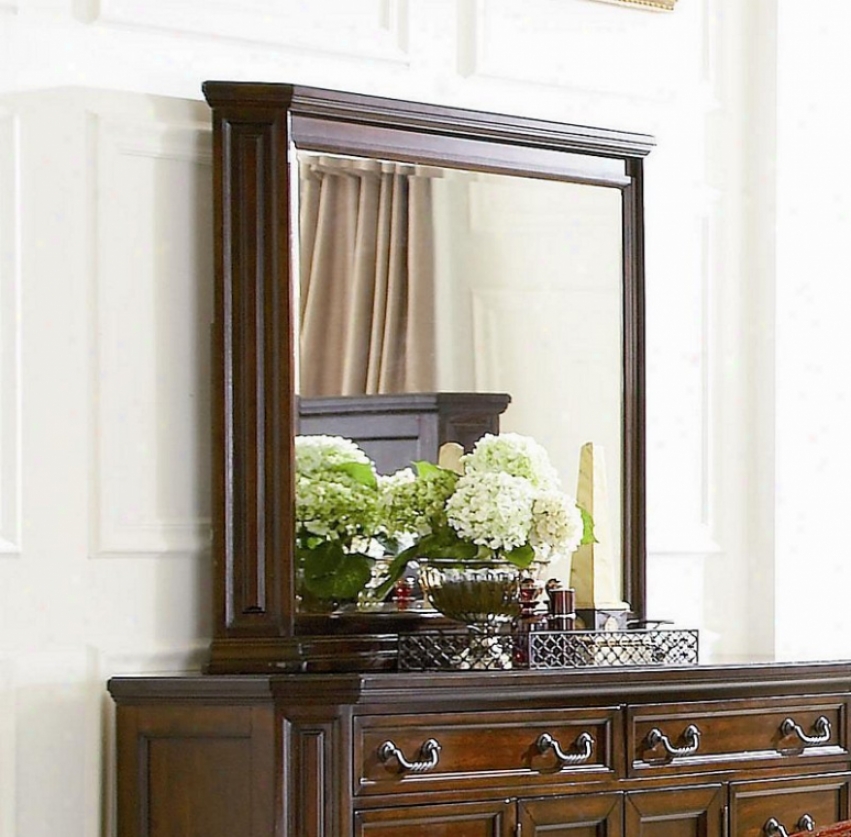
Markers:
point(749, 751)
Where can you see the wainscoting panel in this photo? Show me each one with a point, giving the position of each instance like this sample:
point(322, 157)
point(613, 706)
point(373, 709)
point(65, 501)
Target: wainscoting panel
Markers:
point(368, 29)
point(57, 753)
point(7, 748)
point(10, 325)
point(558, 53)
point(153, 240)
point(686, 349)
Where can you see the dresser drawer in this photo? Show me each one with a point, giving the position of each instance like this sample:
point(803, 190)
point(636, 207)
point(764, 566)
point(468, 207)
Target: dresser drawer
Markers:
point(478, 749)
point(767, 809)
point(663, 738)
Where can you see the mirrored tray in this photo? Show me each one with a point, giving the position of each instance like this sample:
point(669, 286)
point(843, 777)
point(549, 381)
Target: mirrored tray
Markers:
point(503, 650)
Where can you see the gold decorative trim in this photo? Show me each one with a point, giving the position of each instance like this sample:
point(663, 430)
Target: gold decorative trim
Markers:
point(650, 5)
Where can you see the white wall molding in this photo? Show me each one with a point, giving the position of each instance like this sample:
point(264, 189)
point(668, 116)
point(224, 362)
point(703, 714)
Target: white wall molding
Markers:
point(10, 336)
point(8, 720)
point(175, 538)
point(711, 46)
point(374, 30)
point(487, 52)
point(190, 143)
point(689, 541)
point(172, 660)
point(684, 344)
point(710, 344)
point(129, 516)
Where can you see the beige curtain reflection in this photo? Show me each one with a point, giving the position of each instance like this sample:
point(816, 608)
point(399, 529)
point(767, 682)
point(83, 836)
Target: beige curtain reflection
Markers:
point(367, 278)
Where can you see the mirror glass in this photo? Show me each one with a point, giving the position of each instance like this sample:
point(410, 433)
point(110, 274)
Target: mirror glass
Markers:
point(418, 278)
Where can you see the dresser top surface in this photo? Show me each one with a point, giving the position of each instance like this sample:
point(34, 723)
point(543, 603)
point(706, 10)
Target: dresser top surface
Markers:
point(699, 682)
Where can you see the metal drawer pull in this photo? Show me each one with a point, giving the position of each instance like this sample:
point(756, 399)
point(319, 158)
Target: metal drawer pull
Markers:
point(773, 828)
point(584, 743)
point(821, 726)
point(429, 756)
point(691, 735)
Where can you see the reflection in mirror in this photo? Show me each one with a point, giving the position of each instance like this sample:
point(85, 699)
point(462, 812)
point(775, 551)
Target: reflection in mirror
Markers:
point(366, 248)
point(423, 279)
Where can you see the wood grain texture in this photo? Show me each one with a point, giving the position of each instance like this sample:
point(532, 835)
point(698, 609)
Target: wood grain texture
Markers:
point(253, 388)
point(497, 744)
point(310, 744)
point(823, 798)
point(469, 819)
point(199, 770)
point(729, 729)
point(680, 812)
point(588, 815)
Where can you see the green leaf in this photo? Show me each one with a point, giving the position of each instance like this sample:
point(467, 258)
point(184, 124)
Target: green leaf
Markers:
point(587, 527)
point(445, 543)
point(427, 544)
point(395, 570)
point(427, 469)
point(321, 561)
point(307, 540)
point(460, 551)
point(344, 580)
point(359, 471)
point(442, 544)
point(445, 477)
point(353, 576)
point(521, 557)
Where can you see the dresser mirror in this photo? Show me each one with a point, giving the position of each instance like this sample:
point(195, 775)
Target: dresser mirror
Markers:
point(420, 279)
point(523, 242)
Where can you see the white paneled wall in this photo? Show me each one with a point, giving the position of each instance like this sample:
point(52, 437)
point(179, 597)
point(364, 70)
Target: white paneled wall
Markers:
point(812, 573)
point(368, 30)
point(105, 237)
point(150, 381)
point(105, 298)
point(10, 354)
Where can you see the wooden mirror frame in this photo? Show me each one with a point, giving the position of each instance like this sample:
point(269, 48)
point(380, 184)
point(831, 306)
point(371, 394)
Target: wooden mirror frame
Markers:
point(257, 628)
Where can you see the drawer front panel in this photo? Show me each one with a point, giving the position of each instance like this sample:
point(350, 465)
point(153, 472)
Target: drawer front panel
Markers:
point(761, 809)
point(578, 815)
point(481, 748)
point(663, 738)
point(675, 812)
point(468, 819)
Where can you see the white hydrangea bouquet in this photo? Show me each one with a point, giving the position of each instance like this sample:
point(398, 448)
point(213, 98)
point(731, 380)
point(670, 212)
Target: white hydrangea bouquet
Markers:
point(337, 519)
point(506, 505)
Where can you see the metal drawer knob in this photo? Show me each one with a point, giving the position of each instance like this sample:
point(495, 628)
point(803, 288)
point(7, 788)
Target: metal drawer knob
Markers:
point(429, 756)
point(584, 744)
point(821, 727)
point(774, 828)
point(691, 735)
